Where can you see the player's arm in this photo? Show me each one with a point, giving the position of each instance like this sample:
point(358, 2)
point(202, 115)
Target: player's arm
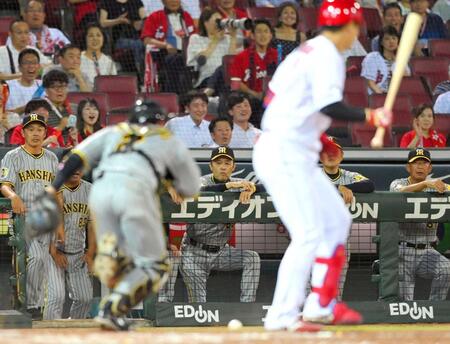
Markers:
point(341, 111)
point(92, 246)
point(363, 186)
point(17, 204)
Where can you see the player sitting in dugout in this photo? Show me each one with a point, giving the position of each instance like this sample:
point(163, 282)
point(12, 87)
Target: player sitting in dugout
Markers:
point(205, 245)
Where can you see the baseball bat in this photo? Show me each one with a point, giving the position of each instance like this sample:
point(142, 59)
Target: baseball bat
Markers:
point(405, 48)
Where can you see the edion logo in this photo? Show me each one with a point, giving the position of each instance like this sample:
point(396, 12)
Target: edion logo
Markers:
point(200, 315)
point(415, 312)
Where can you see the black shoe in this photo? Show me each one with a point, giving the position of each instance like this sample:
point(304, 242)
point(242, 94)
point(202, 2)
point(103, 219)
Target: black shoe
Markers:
point(108, 321)
point(36, 313)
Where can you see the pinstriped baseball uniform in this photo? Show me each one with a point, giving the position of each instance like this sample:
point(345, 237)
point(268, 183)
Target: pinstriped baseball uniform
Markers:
point(427, 262)
point(197, 263)
point(29, 174)
point(76, 276)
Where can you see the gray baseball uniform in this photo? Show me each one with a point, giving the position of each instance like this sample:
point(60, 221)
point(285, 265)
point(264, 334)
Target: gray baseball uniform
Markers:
point(204, 248)
point(124, 199)
point(76, 276)
point(424, 260)
point(28, 174)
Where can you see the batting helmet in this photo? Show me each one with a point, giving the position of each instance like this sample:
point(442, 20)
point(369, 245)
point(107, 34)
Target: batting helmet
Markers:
point(339, 12)
point(145, 112)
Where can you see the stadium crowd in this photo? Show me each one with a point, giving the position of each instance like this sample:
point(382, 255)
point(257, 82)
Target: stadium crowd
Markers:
point(209, 64)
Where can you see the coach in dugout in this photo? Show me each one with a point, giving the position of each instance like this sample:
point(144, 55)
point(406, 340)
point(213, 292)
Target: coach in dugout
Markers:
point(205, 245)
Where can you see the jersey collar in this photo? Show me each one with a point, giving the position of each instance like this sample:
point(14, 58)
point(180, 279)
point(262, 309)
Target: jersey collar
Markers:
point(31, 154)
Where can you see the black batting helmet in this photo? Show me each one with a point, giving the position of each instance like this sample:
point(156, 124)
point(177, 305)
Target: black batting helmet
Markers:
point(147, 111)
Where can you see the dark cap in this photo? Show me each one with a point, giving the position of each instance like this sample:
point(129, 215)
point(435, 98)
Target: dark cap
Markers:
point(222, 151)
point(33, 118)
point(419, 153)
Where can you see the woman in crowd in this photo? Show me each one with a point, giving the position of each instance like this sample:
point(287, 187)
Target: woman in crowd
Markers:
point(206, 49)
point(8, 120)
point(377, 66)
point(422, 134)
point(287, 36)
point(93, 61)
point(88, 121)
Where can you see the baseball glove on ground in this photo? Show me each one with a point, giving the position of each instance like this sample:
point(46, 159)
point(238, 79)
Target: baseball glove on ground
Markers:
point(45, 215)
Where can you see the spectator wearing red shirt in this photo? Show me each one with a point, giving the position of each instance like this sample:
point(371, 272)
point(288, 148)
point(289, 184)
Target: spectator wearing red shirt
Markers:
point(423, 135)
point(41, 107)
point(165, 31)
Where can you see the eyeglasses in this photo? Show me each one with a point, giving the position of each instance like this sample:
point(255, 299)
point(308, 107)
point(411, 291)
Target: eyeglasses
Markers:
point(58, 87)
point(29, 63)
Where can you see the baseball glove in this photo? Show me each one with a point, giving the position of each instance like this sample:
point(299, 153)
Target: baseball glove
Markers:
point(45, 215)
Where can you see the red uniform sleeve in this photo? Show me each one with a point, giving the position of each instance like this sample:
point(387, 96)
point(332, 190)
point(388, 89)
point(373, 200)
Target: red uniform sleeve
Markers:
point(16, 136)
point(237, 69)
point(150, 26)
point(407, 138)
point(189, 23)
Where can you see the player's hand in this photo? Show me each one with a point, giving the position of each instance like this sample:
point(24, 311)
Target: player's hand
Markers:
point(346, 193)
point(59, 257)
point(17, 205)
point(176, 198)
point(89, 260)
point(175, 250)
point(171, 49)
point(122, 19)
point(379, 117)
point(245, 196)
point(248, 186)
point(437, 185)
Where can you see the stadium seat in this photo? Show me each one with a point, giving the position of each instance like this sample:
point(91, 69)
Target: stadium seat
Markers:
point(397, 134)
point(434, 69)
point(362, 134)
point(116, 117)
point(355, 91)
point(308, 20)
point(442, 123)
point(3, 38)
point(168, 100)
point(439, 47)
point(415, 88)
point(402, 109)
point(121, 89)
point(269, 13)
point(341, 131)
point(354, 65)
point(227, 61)
point(101, 98)
point(54, 13)
point(5, 22)
point(355, 99)
point(373, 21)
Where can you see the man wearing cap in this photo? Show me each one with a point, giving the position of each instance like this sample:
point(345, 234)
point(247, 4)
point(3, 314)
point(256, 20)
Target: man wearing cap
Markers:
point(417, 254)
point(25, 172)
point(205, 245)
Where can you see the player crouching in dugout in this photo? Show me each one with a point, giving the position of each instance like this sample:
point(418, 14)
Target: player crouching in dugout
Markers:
point(417, 253)
point(205, 245)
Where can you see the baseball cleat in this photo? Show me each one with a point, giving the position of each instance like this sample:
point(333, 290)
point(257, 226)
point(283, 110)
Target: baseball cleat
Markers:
point(342, 315)
point(304, 326)
point(111, 322)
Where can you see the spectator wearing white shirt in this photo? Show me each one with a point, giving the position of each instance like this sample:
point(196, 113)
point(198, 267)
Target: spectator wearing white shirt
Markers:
point(244, 133)
point(23, 89)
point(192, 129)
point(221, 129)
point(9, 53)
point(442, 104)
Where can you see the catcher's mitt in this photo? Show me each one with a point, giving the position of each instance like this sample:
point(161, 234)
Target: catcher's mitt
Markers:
point(45, 215)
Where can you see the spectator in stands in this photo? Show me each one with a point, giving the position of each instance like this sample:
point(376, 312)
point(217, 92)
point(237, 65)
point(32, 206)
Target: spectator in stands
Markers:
point(56, 83)
point(205, 246)
point(54, 136)
point(192, 129)
point(417, 253)
point(254, 65)
point(190, 6)
point(9, 53)
point(221, 129)
point(442, 104)
point(88, 121)
point(85, 13)
point(42, 37)
point(405, 5)
point(422, 134)
point(228, 10)
point(377, 66)
point(23, 89)
point(93, 61)
point(287, 37)
point(273, 3)
point(244, 133)
point(434, 27)
point(207, 48)
point(125, 17)
point(164, 31)
point(8, 120)
point(392, 16)
point(442, 9)
point(442, 87)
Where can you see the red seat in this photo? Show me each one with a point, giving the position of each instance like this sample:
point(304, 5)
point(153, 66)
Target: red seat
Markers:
point(116, 117)
point(355, 91)
point(439, 47)
point(402, 108)
point(442, 123)
point(167, 100)
point(101, 98)
point(53, 13)
point(3, 38)
point(355, 99)
point(434, 69)
point(121, 89)
point(5, 22)
point(308, 19)
point(354, 65)
point(227, 61)
point(415, 88)
point(269, 13)
point(363, 133)
point(340, 130)
point(373, 21)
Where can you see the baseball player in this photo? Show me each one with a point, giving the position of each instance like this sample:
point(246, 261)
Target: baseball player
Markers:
point(417, 253)
point(26, 171)
point(346, 182)
point(133, 160)
point(204, 247)
point(304, 95)
point(70, 264)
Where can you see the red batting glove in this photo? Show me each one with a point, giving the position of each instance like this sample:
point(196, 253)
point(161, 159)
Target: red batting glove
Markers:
point(380, 117)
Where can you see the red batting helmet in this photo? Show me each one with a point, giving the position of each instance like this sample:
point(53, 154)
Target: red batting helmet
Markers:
point(339, 12)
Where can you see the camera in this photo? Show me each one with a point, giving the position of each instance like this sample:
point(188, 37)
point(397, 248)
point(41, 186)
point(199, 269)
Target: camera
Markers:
point(242, 24)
